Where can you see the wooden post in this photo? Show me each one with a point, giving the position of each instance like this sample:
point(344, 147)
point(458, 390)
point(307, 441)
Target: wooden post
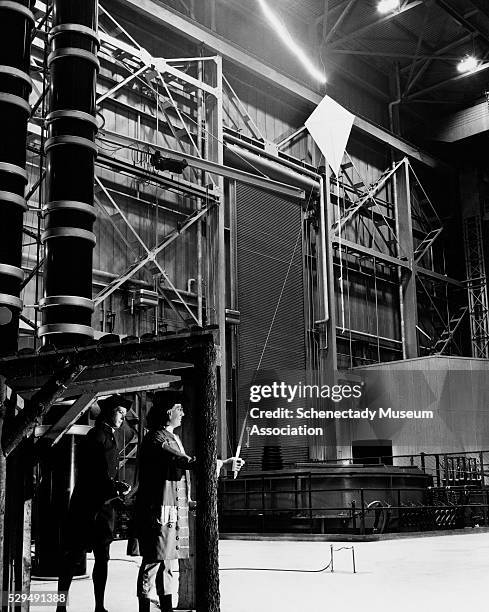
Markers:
point(207, 534)
point(3, 481)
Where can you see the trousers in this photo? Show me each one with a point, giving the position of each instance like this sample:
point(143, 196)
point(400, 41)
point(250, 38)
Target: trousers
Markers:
point(162, 574)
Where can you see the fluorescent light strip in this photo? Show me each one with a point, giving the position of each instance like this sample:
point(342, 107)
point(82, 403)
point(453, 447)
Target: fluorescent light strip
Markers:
point(284, 35)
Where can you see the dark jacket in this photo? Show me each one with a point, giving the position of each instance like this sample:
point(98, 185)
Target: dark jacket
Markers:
point(161, 518)
point(91, 518)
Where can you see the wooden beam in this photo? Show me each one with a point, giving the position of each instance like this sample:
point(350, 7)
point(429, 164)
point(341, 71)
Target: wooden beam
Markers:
point(24, 423)
point(94, 374)
point(146, 382)
point(69, 418)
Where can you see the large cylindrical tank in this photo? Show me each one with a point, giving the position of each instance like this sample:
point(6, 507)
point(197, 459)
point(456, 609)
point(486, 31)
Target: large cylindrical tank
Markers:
point(327, 497)
point(68, 236)
point(16, 23)
point(55, 480)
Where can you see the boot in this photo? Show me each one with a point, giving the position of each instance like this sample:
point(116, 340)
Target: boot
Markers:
point(144, 604)
point(166, 603)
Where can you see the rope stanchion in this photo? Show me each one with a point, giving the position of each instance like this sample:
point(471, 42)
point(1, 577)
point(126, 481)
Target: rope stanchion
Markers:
point(333, 550)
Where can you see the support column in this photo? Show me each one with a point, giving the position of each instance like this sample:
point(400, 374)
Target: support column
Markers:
point(16, 23)
point(408, 304)
point(217, 265)
point(207, 533)
point(328, 354)
point(70, 164)
point(407, 287)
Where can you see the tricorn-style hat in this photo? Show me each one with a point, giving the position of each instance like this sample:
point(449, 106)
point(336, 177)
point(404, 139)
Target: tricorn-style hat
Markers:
point(112, 402)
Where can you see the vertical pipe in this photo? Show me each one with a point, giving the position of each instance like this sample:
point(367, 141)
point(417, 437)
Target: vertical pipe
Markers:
point(16, 23)
point(328, 356)
point(200, 143)
point(70, 164)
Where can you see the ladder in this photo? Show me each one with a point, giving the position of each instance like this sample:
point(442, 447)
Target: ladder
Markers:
point(426, 243)
point(448, 333)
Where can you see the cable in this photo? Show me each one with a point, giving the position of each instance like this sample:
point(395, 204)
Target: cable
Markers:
point(281, 569)
point(275, 569)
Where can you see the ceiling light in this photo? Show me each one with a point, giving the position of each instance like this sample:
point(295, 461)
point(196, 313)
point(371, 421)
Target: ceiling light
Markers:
point(468, 64)
point(284, 35)
point(387, 6)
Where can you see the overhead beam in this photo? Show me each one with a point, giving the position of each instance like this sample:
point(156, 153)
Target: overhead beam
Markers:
point(444, 83)
point(427, 63)
point(481, 5)
point(463, 124)
point(438, 53)
point(208, 166)
point(462, 20)
point(394, 54)
point(344, 14)
point(373, 24)
point(348, 245)
point(199, 34)
point(439, 277)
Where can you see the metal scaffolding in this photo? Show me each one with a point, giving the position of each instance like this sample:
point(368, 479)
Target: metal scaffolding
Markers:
point(382, 229)
point(476, 287)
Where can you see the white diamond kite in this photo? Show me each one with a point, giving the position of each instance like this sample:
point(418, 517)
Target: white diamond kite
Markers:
point(330, 126)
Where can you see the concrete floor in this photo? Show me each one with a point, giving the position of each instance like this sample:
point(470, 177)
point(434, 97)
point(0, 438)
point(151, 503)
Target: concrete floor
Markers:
point(432, 574)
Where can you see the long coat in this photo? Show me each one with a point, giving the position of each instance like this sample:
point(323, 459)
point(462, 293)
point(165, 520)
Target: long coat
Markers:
point(161, 517)
point(91, 517)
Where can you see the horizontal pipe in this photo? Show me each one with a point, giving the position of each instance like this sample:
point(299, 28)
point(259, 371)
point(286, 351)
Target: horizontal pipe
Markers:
point(249, 161)
point(293, 165)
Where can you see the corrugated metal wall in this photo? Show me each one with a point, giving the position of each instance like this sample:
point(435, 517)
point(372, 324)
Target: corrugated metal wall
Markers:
point(269, 259)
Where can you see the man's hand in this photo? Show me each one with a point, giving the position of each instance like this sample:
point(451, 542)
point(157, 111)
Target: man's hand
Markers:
point(236, 463)
point(122, 488)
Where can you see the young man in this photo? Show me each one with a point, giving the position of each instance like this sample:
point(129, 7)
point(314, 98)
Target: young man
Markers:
point(91, 517)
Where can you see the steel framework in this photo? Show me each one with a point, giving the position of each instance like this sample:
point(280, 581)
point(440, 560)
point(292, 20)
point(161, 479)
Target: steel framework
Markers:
point(385, 229)
point(476, 287)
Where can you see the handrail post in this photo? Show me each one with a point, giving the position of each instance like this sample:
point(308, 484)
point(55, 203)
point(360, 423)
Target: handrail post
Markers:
point(481, 460)
point(310, 502)
point(399, 508)
point(362, 518)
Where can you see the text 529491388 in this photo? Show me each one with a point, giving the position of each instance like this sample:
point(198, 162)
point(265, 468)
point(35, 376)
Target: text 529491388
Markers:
point(34, 598)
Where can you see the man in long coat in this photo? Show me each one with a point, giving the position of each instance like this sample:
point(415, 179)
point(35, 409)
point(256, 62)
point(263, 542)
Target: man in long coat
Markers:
point(91, 516)
point(162, 501)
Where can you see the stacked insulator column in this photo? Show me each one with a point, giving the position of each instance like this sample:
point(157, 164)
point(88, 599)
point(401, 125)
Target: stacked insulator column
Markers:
point(70, 163)
point(16, 23)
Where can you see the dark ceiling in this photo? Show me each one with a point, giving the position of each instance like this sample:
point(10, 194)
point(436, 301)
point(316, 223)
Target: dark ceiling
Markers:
point(424, 40)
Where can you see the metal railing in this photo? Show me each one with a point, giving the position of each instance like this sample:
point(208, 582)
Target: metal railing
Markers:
point(455, 468)
point(267, 503)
